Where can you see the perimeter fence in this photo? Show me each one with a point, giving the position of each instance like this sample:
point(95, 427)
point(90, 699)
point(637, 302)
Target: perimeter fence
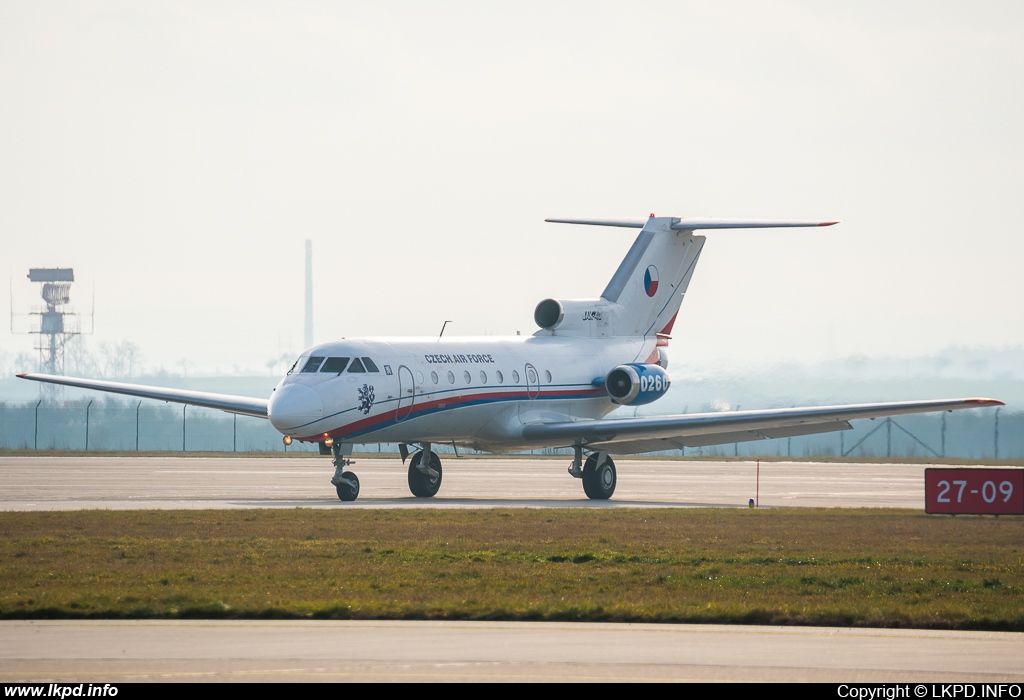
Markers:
point(114, 425)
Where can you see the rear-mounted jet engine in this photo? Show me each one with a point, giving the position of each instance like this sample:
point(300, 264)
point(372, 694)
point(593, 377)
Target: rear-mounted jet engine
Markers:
point(636, 384)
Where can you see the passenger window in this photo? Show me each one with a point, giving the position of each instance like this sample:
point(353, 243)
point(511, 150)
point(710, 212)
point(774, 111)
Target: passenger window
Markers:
point(370, 367)
point(312, 364)
point(466, 375)
point(451, 377)
point(515, 377)
point(531, 373)
point(483, 377)
point(335, 364)
point(419, 377)
point(547, 376)
point(433, 377)
point(356, 366)
point(500, 376)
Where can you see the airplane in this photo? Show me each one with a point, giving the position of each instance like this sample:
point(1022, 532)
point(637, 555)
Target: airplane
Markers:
point(509, 394)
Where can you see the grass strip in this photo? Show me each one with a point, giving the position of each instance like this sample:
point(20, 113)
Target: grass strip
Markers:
point(863, 567)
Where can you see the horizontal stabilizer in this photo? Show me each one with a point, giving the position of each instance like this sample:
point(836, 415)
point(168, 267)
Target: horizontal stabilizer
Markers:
point(243, 405)
point(697, 224)
point(622, 223)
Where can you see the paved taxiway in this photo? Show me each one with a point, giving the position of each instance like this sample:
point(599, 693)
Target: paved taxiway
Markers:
point(106, 651)
point(119, 651)
point(70, 483)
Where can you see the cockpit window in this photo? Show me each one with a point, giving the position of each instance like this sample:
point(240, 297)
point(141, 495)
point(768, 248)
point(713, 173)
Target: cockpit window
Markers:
point(370, 367)
point(335, 364)
point(312, 364)
point(294, 365)
point(356, 366)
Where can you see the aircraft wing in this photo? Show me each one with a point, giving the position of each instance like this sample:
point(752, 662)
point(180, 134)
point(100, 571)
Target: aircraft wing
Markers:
point(243, 405)
point(650, 434)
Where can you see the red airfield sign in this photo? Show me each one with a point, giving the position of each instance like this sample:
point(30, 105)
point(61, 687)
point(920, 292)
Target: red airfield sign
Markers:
point(974, 491)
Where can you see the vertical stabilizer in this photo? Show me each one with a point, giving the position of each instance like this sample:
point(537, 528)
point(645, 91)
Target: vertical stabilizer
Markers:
point(650, 283)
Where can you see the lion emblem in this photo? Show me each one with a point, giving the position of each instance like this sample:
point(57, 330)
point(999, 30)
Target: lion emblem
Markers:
point(365, 398)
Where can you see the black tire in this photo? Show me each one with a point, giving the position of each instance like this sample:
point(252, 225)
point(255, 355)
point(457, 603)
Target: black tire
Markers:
point(599, 481)
point(423, 485)
point(346, 492)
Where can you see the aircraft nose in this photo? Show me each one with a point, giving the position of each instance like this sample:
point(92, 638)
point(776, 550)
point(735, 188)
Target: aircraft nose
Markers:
point(293, 407)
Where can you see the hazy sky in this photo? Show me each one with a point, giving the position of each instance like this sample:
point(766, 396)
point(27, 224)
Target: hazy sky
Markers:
point(177, 154)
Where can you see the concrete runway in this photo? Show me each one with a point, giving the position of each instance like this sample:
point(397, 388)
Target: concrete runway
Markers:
point(102, 651)
point(70, 483)
point(119, 651)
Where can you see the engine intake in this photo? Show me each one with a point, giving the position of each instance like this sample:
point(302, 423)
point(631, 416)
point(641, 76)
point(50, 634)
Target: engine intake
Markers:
point(636, 384)
point(549, 314)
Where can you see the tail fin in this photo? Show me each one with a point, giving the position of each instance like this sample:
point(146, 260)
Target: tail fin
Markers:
point(650, 283)
point(648, 287)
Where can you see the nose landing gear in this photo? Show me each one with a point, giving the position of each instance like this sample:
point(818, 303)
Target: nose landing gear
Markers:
point(346, 483)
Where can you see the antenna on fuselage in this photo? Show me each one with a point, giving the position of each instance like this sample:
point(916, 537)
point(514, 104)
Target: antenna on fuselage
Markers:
point(442, 330)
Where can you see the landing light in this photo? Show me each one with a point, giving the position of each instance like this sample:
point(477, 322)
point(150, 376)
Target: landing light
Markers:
point(287, 439)
point(328, 440)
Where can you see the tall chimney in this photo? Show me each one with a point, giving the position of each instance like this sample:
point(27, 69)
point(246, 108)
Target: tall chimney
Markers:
point(309, 293)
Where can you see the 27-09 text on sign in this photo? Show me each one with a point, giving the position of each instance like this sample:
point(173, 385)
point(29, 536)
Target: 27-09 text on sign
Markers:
point(974, 491)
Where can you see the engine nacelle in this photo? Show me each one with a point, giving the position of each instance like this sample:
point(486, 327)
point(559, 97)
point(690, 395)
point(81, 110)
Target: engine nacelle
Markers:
point(587, 318)
point(636, 384)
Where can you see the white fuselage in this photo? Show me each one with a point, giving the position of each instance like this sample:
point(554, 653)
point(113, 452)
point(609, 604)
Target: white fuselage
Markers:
point(476, 392)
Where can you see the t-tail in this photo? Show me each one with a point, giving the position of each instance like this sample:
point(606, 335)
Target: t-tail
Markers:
point(645, 293)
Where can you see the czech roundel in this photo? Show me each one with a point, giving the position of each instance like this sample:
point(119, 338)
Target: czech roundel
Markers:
point(651, 281)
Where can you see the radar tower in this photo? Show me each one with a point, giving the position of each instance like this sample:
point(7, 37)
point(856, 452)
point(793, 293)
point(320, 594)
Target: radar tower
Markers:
point(56, 323)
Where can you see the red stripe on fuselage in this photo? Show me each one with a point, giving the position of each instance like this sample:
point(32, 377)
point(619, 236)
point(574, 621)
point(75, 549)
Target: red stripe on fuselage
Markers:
point(450, 402)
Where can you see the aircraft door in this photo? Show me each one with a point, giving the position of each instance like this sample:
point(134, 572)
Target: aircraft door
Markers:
point(532, 381)
point(406, 393)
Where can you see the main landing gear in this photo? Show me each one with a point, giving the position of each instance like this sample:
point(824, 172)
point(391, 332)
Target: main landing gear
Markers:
point(347, 483)
point(598, 474)
point(424, 473)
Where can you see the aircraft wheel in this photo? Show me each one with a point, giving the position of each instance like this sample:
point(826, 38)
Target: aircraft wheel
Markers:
point(599, 476)
point(348, 491)
point(424, 485)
